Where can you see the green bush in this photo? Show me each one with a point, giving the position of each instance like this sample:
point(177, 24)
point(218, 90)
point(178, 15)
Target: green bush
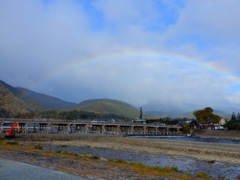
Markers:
point(12, 143)
point(186, 128)
point(95, 157)
point(117, 160)
point(58, 152)
point(233, 125)
point(174, 168)
point(38, 147)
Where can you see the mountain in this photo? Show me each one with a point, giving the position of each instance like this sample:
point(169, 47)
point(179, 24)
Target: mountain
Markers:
point(107, 106)
point(14, 100)
point(229, 110)
point(160, 114)
point(20, 100)
point(46, 101)
point(11, 104)
point(222, 114)
point(189, 115)
point(168, 108)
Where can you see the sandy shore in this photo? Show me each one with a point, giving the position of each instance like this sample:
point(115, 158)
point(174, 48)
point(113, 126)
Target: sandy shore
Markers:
point(202, 151)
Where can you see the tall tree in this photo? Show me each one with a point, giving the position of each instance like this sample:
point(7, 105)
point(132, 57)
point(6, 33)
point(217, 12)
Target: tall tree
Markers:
point(234, 117)
point(206, 116)
point(238, 116)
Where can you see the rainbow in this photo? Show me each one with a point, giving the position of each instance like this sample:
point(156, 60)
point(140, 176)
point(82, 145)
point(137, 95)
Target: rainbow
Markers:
point(130, 55)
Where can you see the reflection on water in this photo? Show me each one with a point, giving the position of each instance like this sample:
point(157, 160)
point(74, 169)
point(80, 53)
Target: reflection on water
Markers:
point(186, 164)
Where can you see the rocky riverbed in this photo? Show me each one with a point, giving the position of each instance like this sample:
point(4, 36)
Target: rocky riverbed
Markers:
point(209, 152)
point(81, 166)
point(220, 152)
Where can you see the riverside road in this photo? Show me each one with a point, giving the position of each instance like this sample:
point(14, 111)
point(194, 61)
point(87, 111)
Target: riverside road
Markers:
point(10, 170)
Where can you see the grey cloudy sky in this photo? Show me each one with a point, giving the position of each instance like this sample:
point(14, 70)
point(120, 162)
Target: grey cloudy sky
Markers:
point(179, 52)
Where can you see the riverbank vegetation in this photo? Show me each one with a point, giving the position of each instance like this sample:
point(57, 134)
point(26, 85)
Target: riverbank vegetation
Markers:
point(206, 116)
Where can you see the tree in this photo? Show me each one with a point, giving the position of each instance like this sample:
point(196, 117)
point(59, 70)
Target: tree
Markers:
point(206, 116)
point(238, 116)
point(233, 125)
point(194, 124)
point(208, 109)
point(186, 128)
point(233, 117)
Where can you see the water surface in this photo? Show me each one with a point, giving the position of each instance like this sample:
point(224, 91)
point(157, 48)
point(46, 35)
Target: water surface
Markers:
point(215, 169)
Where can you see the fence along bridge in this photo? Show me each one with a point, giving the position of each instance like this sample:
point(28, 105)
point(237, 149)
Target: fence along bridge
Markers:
point(80, 126)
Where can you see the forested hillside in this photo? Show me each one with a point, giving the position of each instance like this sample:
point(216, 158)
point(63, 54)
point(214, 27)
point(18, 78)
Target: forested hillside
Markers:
point(107, 106)
point(11, 105)
point(46, 101)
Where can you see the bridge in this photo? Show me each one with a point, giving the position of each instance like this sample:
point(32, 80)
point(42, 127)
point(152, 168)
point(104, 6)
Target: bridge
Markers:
point(88, 126)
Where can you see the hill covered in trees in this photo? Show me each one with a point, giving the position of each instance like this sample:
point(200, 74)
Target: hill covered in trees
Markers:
point(16, 100)
point(11, 104)
point(46, 101)
point(108, 106)
point(21, 102)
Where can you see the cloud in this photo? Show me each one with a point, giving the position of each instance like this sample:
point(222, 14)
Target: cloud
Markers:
point(212, 27)
point(58, 48)
point(217, 20)
point(136, 12)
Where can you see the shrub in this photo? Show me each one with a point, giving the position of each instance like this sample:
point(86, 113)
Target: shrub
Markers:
point(117, 160)
point(232, 125)
point(186, 128)
point(95, 157)
point(203, 175)
point(174, 168)
point(12, 143)
point(38, 147)
point(58, 152)
point(138, 164)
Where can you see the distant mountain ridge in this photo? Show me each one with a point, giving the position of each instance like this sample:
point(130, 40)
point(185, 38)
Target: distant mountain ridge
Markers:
point(46, 101)
point(159, 114)
point(14, 100)
point(109, 106)
point(189, 115)
point(21, 100)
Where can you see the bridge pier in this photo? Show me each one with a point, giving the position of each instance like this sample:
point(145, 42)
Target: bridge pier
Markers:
point(63, 127)
point(139, 130)
point(81, 127)
point(69, 128)
point(24, 127)
point(43, 127)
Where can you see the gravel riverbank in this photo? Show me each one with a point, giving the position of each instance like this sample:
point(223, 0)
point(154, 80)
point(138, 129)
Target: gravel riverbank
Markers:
point(220, 152)
point(209, 152)
point(83, 166)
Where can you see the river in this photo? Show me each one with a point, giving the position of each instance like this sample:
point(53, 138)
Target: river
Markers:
point(215, 169)
point(196, 139)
